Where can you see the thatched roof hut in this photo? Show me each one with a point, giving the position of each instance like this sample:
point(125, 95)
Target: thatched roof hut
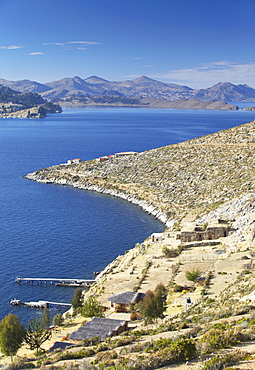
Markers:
point(99, 327)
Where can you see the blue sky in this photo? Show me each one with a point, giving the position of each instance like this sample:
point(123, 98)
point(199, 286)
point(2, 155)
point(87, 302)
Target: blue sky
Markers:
point(189, 42)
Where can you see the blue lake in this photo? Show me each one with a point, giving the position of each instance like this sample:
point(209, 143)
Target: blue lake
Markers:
point(57, 231)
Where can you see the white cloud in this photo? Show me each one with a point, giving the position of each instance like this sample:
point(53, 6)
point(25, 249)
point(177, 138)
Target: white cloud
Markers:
point(135, 58)
point(69, 45)
point(84, 42)
point(149, 66)
point(54, 43)
point(211, 73)
point(72, 42)
point(11, 47)
point(36, 53)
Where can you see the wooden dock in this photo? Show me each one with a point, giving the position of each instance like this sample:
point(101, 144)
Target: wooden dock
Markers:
point(55, 281)
point(39, 304)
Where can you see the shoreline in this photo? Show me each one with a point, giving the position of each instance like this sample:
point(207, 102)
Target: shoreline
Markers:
point(145, 206)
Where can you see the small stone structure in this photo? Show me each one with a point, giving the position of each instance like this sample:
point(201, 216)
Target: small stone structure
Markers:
point(156, 237)
point(195, 233)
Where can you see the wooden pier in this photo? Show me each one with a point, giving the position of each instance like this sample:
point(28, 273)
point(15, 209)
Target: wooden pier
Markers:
point(39, 304)
point(55, 281)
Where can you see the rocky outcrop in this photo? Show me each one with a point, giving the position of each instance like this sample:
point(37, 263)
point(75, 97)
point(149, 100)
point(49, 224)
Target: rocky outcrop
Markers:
point(26, 105)
point(35, 112)
point(241, 213)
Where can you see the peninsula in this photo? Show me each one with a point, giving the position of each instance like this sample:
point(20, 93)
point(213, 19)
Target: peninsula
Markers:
point(171, 181)
point(204, 191)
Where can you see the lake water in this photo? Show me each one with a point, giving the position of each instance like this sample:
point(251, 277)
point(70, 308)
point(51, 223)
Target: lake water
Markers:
point(56, 231)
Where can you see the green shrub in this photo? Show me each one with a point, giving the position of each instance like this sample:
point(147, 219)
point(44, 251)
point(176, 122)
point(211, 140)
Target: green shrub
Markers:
point(193, 275)
point(108, 355)
point(88, 352)
point(183, 349)
point(219, 337)
point(221, 361)
point(252, 322)
point(178, 288)
point(20, 364)
point(91, 307)
point(183, 325)
point(58, 319)
point(91, 341)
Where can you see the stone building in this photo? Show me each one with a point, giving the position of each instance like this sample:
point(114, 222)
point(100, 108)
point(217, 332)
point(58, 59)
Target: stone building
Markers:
point(195, 233)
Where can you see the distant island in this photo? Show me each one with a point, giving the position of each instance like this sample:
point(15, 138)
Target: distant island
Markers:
point(140, 92)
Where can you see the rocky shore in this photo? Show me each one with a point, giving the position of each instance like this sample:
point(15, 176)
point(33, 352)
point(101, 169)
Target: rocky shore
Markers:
point(131, 198)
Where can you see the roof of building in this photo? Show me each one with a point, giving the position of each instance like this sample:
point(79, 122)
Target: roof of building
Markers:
point(125, 297)
point(126, 153)
point(157, 235)
point(192, 226)
point(97, 327)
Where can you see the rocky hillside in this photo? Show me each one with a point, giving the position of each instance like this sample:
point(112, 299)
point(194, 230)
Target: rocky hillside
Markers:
point(140, 87)
point(169, 182)
point(24, 105)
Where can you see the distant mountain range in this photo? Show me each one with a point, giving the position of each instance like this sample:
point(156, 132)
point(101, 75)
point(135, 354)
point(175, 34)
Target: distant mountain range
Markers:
point(140, 87)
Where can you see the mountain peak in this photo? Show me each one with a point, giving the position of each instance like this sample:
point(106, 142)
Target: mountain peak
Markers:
point(223, 84)
point(77, 79)
point(95, 80)
point(143, 79)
